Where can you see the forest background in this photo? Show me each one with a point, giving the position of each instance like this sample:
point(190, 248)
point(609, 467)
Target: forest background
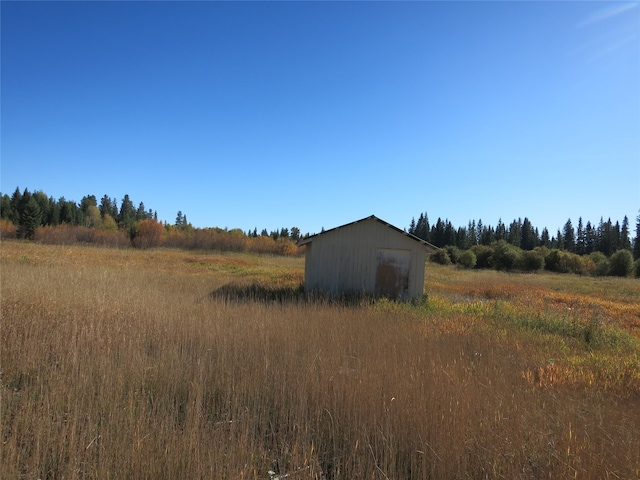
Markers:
point(603, 249)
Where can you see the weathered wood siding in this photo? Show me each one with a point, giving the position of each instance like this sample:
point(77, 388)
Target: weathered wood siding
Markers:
point(345, 259)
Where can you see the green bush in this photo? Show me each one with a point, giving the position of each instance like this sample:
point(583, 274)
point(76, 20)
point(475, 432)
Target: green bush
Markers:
point(441, 257)
point(530, 261)
point(482, 253)
point(454, 254)
point(621, 263)
point(468, 259)
point(636, 269)
point(504, 256)
point(601, 262)
point(564, 262)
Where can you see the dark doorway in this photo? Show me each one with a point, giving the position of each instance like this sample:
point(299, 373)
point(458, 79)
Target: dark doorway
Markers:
point(392, 273)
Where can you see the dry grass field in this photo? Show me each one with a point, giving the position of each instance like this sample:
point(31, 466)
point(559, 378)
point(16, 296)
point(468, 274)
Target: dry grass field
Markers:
point(120, 363)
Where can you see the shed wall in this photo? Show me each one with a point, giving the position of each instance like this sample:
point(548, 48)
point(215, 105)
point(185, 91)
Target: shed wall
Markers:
point(344, 259)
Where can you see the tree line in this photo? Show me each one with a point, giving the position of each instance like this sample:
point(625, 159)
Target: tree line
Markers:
point(28, 211)
point(37, 216)
point(29, 215)
point(605, 237)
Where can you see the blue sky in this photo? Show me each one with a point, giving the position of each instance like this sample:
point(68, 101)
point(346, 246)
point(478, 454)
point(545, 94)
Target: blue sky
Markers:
point(315, 114)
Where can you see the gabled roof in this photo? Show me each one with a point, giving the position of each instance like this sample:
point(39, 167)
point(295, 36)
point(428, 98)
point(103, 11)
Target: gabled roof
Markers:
point(309, 239)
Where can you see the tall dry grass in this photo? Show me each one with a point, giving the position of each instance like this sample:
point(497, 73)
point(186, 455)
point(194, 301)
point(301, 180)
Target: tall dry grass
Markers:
point(121, 364)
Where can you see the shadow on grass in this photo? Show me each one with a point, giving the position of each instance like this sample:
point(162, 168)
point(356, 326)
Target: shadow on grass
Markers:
point(257, 292)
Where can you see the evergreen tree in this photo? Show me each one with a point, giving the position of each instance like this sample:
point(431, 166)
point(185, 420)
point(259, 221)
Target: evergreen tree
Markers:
point(615, 237)
point(569, 237)
point(141, 213)
point(179, 219)
point(54, 212)
point(68, 211)
point(545, 241)
point(590, 239)
point(412, 226)
point(437, 233)
point(580, 238)
point(43, 203)
point(30, 219)
point(636, 241)
point(5, 207)
point(625, 243)
point(88, 201)
point(449, 234)
point(515, 233)
point(422, 228)
point(471, 229)
point(108, 207)
point(127, 215)
point(501, 231)
point(462, 239)
point(529, 239)
point(605, 237)
point(16, 199)
point(487, 236)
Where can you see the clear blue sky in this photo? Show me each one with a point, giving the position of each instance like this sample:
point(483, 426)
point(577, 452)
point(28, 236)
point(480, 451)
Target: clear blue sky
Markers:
point(281, 114)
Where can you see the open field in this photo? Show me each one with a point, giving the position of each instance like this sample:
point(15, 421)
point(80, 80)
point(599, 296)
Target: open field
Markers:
point(126, 364)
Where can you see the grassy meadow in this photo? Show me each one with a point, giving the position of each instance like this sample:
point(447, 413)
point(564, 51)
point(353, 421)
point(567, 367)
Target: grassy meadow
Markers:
point(148, 364)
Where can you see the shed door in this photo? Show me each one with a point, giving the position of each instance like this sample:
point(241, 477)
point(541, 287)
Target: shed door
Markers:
point(392, 273)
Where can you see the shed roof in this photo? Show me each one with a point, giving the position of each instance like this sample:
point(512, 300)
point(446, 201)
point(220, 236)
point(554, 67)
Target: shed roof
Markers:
point(431, 248)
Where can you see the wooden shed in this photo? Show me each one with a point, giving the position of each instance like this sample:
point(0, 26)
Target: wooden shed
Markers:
point(367, 256)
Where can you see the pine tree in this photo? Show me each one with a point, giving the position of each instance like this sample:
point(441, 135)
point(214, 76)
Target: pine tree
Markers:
point(529, 239)
point(625, 243)
point(501, 231)
point(569, 237)
point(412, 226)
point(471, 229)
point(68, 211)
point(580, 238)
point(515, 233)
point(106, 207)
point(590, 238)
point(449, 234)
point(462, 239)
point(5, 207)
point(127, 215)
point(16, 199)
point(545, 241)
point(29, 219)
point(437, 233)
point(636, 241)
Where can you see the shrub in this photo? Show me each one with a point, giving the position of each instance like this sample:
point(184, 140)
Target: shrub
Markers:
point(468, 259)
point(441, 257)
point(530, 261)
point(454, 254)
point(621, 263)
point(553, 261)
point(146, 233)
point(7, 229)
point(504, 256)
point(482, 253)
point(601, 263)
point(636, 268)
